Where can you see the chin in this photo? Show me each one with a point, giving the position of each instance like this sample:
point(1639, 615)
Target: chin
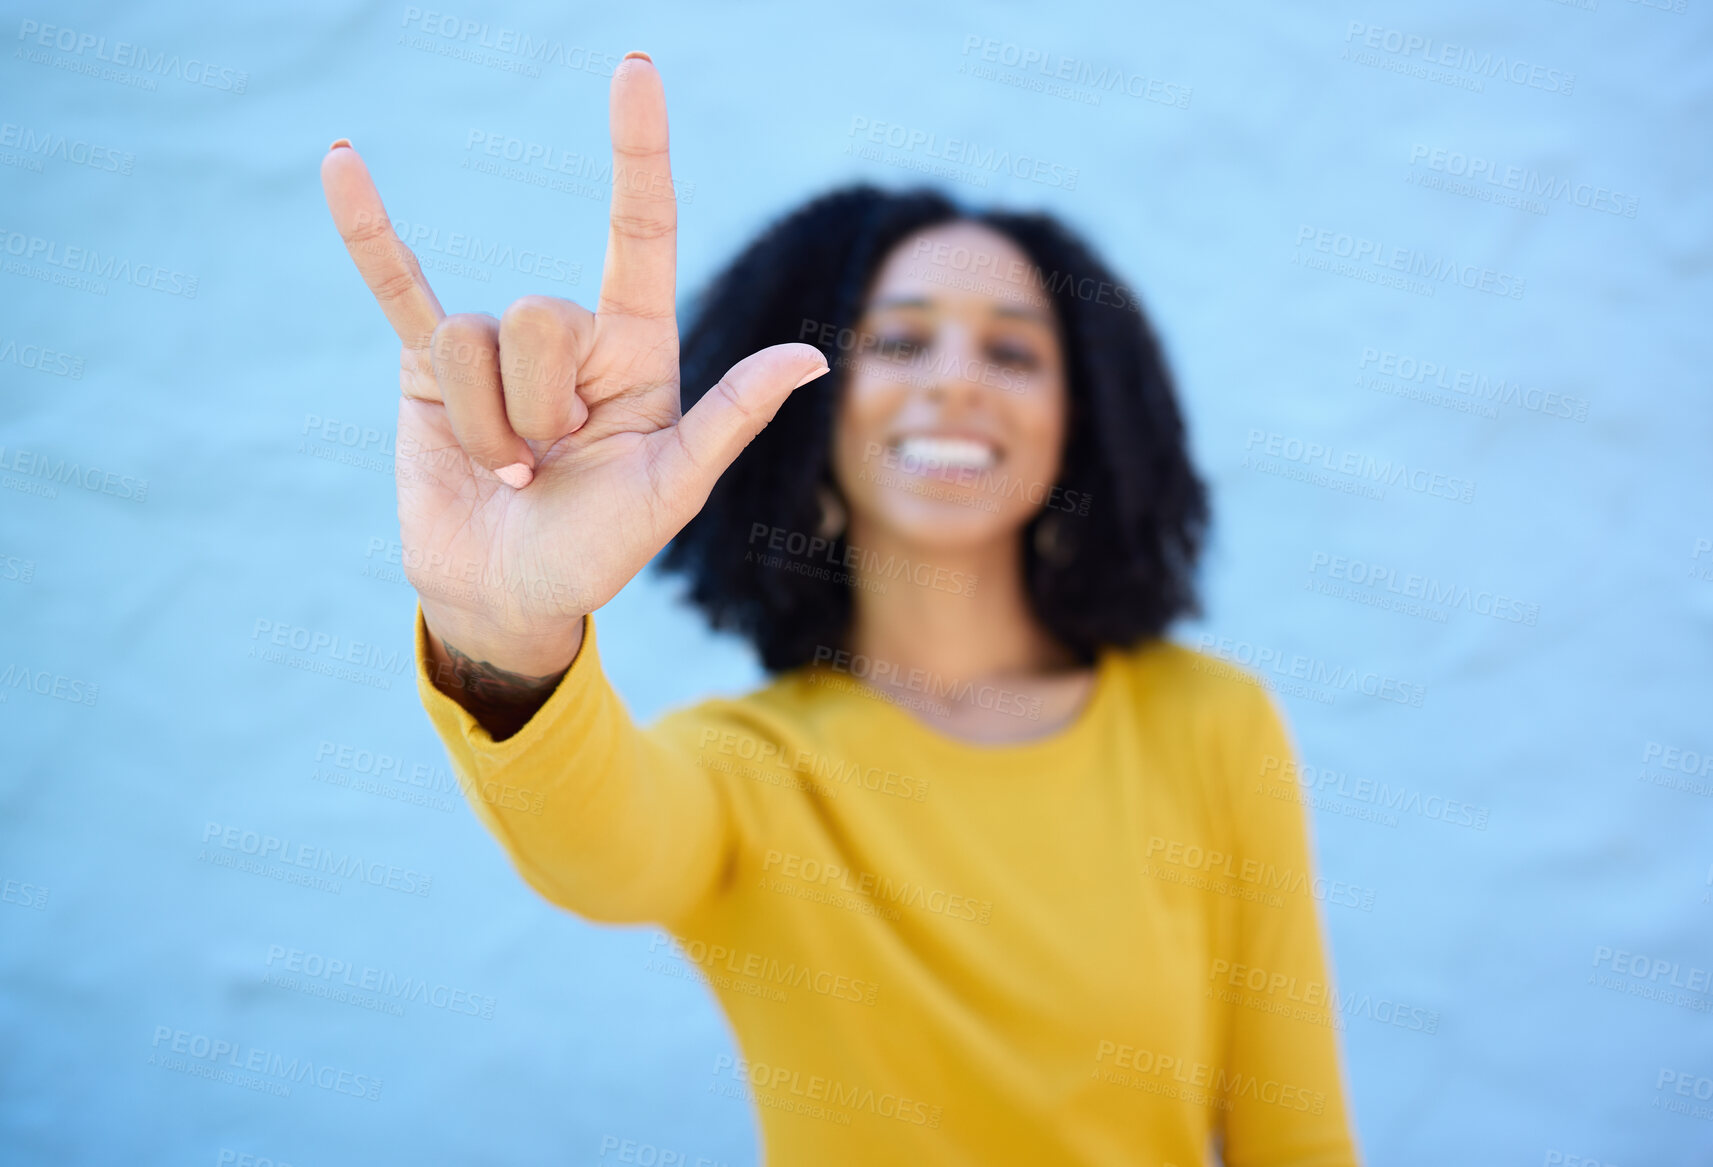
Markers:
point(967, 523)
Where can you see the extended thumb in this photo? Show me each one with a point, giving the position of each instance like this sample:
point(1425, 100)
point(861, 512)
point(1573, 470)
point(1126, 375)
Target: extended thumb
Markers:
point(729, 415)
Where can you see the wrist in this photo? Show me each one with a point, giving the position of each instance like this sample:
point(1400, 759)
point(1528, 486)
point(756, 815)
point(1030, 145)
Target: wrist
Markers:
point(534, 652)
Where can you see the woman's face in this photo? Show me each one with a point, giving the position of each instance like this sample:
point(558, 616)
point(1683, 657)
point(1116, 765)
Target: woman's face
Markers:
point(952, 420)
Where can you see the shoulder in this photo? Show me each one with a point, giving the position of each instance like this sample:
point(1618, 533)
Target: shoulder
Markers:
point(1183, 679)
point(1223, 715)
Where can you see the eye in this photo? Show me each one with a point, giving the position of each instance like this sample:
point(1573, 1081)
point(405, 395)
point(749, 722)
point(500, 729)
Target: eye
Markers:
point(1017, 355)
point(899, 346)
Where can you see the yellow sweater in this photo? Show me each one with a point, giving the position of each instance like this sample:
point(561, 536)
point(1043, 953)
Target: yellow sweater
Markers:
point(1099, 947)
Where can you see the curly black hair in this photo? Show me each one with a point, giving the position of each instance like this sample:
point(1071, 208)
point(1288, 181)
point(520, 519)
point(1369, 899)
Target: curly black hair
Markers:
point(1118, 575)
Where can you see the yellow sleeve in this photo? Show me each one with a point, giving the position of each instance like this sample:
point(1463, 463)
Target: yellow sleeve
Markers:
point(1286, 1085)
point(613, 823)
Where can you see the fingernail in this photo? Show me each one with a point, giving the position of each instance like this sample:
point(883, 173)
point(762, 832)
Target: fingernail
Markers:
point(821, 372)
point(517, 475)
point(639, 55)
point(340, 144)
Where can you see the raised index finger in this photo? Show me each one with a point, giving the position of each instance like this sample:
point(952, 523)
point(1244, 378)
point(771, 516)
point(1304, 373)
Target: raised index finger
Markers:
point(640, 274)
point(386, 264)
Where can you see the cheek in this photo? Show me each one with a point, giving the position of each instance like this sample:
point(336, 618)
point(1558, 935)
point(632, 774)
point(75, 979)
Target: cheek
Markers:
point(858, 423)
point(866, 405)
point(1040, 420)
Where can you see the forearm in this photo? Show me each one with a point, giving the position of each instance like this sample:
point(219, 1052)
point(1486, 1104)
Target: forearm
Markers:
point(501, 679)
point(613, 822)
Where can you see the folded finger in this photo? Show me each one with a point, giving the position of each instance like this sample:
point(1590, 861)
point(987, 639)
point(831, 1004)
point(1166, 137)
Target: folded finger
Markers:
point(543, 341)
point(466, 352)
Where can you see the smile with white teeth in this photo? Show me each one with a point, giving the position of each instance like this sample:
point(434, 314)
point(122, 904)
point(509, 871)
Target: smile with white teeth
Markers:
point(925, 452)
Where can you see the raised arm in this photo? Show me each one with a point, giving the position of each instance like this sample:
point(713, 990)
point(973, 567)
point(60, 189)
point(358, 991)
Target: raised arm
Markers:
point(542, 461)
point(610, 821)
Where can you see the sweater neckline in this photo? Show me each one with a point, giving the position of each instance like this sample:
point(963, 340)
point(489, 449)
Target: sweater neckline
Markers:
point(1064, 739)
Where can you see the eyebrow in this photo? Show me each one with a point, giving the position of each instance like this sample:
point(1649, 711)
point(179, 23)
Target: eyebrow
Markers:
point(920, 302)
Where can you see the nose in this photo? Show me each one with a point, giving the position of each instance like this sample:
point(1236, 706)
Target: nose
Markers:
point(953, 370)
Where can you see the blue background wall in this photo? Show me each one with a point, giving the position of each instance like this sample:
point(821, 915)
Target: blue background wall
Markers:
point(260, 409)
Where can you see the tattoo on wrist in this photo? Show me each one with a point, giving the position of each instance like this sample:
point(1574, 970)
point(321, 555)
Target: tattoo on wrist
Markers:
point(503, 701)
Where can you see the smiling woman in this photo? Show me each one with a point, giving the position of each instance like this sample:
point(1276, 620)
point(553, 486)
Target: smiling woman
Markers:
point(992, 403)
point(975, 874)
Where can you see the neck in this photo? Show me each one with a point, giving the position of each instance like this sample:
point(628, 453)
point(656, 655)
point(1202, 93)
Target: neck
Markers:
point(961, 613)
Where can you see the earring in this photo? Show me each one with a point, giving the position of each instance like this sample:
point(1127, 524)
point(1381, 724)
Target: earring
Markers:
point(1052, 544)
point(833, 518)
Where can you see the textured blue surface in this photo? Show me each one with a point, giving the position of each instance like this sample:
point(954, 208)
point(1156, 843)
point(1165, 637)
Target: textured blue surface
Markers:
point(1255, 145)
